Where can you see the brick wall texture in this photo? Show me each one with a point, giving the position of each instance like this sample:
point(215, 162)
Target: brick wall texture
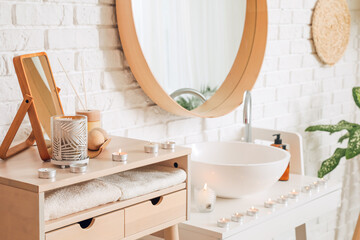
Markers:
point(293, 90)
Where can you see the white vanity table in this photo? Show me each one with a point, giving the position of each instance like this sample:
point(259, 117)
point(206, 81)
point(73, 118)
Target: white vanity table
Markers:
point(22, 198)
point(203, 226)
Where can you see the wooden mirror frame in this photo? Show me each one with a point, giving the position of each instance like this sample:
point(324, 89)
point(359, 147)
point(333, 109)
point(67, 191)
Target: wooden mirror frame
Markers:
point(27, 106)
point(242, 76)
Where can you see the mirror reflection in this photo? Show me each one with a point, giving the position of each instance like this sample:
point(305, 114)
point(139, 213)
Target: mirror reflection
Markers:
point(43, 90)
point(190, 46)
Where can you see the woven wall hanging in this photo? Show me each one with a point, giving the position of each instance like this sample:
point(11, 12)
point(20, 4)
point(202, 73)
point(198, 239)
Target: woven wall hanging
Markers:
point(331, 29)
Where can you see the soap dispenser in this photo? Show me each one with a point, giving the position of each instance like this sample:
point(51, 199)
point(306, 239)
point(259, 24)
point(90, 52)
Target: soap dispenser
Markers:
point(277, 141)
point(286, 174)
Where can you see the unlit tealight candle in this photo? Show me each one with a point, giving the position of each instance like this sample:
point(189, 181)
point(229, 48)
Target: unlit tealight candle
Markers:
point(151, 147)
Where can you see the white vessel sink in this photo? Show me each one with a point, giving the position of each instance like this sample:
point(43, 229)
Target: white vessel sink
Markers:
point(236, 169)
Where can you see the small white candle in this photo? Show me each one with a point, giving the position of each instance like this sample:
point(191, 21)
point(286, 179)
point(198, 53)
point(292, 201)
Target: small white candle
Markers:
point(293, 194)
point(168, 145)
point(119, 156)
point(269, 203)
point(47, 173)
point(306, 189)
point(205, 199)
point(151, 147)
point(252, 211)
point(283, 200)
point(223, 223)
point(315, 186)
point(322, 182)
point(237, 217)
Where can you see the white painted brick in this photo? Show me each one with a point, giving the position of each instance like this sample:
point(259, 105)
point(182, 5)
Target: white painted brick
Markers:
point(269, 64)
point(278, 78)
point(211, 123)
point(5, 16)
point(95, 15)
point(184, 127)
point(276, 48)
point(273, 32)
point(194, 139)
point(30, 14)
point(290, 32)
point(18, 40)
point(109, 38)
point(6, 65)
point(309, 4)
point(150, 133)
point(323, 73)
point(307, 33)
point(344, 69)
point(311, 60)
point(302, 16)
point(122, 118)
point(301, 47)
point(136, 98)
point(291, 4)
point(231, 133)
point(310, 88)
point(118, 80)
point(301, 75)
point(106, 59)
point(66, 58)
point(73, 1)
point(263, 95)
point(275, 109)
point(73, 38)
point(288, 92)
point(290, 62)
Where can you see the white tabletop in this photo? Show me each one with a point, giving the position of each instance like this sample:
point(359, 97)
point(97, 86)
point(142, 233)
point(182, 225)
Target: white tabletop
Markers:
point(306, 207)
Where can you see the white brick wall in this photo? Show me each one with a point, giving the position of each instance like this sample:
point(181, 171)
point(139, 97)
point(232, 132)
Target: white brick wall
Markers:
point(293, 91)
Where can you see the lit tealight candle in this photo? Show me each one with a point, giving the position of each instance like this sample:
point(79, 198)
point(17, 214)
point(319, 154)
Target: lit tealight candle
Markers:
point(293, 194)
point(151, 147)
point(269, 203)
point(315, 186)
point(168, 145)
point(237, 217)
point(205, 199)
point(306, 189)
point(223, 223)
point(283, 200)
point(322, 182)
point(119, 156)
point(252, 211)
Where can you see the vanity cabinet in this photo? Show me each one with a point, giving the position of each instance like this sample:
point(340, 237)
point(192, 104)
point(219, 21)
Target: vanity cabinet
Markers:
point(22, 197)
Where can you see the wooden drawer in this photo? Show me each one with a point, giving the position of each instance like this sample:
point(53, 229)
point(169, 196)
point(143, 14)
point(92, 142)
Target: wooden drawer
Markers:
point(153, 213)
point(105, 227)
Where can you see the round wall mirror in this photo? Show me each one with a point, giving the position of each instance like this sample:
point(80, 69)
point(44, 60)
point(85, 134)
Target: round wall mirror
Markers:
point(194, 58)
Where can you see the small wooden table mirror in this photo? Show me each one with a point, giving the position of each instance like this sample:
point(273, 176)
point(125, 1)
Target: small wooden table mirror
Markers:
point(41, 101)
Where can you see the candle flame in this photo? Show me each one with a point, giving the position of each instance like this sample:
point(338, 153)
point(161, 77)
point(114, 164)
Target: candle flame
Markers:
point(269, 199)
point(119, 150)
point(205, 186)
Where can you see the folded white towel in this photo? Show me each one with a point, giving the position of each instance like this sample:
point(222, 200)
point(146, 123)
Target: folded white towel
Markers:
point(145, 180)
point(78, 197)
point(124, 185)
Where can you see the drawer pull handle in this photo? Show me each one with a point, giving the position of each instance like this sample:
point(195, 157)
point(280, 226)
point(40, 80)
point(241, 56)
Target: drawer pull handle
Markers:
point(86, 224)
point(156, 201)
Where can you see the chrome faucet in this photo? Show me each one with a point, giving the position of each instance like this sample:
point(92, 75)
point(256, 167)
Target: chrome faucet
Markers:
point(247, 116)
point(191, 91)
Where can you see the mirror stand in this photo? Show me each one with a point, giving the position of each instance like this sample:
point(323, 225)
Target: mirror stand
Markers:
point(5, 150)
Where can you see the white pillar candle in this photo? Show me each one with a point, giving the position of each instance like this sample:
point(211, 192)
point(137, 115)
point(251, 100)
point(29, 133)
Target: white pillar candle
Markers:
point(205, 199)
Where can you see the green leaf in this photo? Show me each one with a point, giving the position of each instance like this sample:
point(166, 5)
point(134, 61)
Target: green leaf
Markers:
point(353, 148)
point(330, 164)
point(342, 125)
point(342, 138)
point(356, 95)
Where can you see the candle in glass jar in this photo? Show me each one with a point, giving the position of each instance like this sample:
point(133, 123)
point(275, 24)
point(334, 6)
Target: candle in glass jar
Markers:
point(205, 199)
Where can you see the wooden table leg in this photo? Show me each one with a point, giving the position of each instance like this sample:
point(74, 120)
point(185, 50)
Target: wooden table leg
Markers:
point(300, 232)
point(171, 233)
point(356, 235)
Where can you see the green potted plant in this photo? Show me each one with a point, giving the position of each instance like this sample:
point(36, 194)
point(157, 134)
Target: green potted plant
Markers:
point(352, 134)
